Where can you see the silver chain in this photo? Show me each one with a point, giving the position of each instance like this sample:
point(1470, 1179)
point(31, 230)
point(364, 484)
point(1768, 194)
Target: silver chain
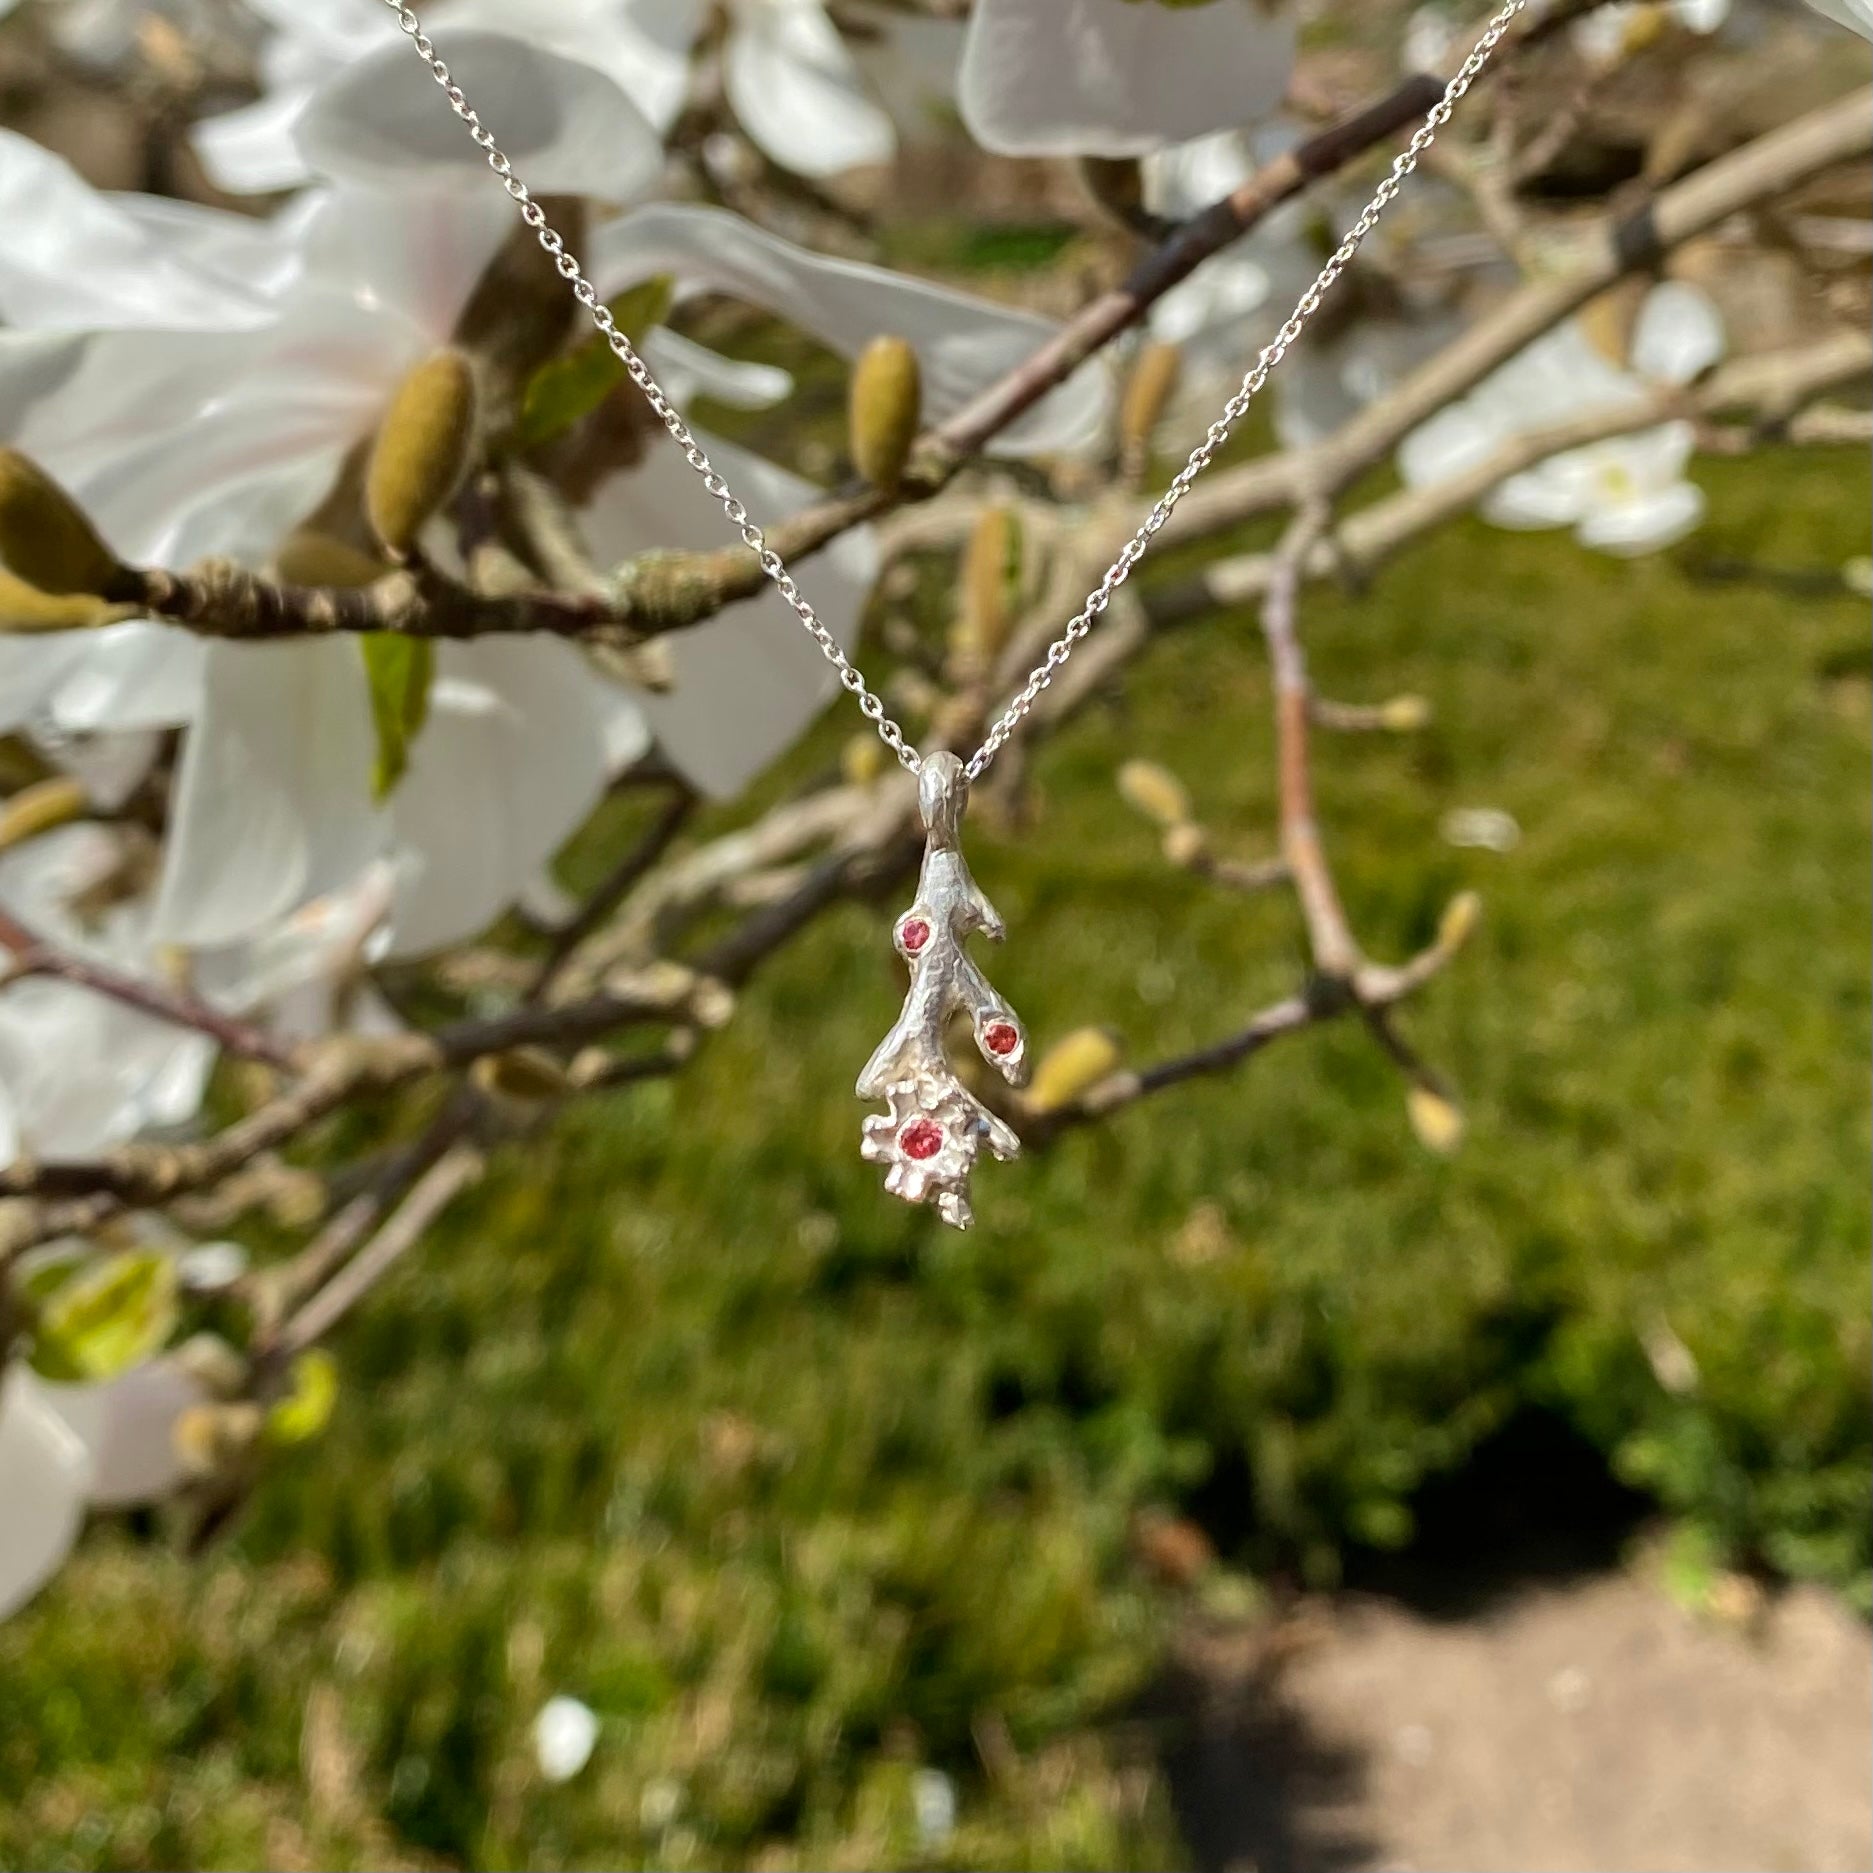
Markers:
point(1134, 549)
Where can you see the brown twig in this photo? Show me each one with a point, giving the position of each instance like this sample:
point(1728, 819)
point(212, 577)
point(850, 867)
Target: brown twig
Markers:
point(31, 955)
point(434, 1190)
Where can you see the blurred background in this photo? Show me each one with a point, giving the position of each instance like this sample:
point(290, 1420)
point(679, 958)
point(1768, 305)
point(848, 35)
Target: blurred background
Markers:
point(1290, 1470)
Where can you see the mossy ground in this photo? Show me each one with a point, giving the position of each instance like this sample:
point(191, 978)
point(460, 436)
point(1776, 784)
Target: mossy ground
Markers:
point(800, 1491)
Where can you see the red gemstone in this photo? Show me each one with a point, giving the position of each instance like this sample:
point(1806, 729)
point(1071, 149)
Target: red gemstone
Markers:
point(914, 935)
point(921, 1138)
point(1002, 1037)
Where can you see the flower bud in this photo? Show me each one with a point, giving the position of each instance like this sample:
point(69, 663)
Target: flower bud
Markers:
point(422, 449)
point(25, 609)
point(1460, 918)
point(982, 623)
point(46, 538)
point(1404, 715)
point(40, 807)
point(1148, 390)
point(211, 1439)
point(524, 1075)
point(1072, 1066)
point(884, 409)
point(1186, 844)
point(312, 558)
point(213, 1364)
point(1155, 792)
point(1438, 1123)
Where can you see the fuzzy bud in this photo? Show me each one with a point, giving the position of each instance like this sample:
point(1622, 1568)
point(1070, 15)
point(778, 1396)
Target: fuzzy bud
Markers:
point(522, 1076)
point(1073, 1066)
point(313, 558)
point(884, 410)
point(212, 1439)
point(1148, 391)
point(1459, 920)
point(40, 807)
point(46, 538)
point(1155, 792)
point(982, 622)
point(213, 1364)
point(1438, 1123)
point(25, 609)
point(422, 449)
point(1186, 845)
point(1404, 715)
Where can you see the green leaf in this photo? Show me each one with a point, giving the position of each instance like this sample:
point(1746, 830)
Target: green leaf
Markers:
point(399, 670)
point(306, 1410)
point(575, 383)
point(107, 1319)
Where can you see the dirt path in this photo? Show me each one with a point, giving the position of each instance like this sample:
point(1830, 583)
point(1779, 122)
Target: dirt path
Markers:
point(1587, 1727)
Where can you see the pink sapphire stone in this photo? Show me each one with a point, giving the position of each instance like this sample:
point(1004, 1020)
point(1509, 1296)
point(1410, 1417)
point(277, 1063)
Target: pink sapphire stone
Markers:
point(921, 1138)
point(1002, 1037)
point(914, 935)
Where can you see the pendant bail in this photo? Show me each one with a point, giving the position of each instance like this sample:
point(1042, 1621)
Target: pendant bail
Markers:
point(942, 793)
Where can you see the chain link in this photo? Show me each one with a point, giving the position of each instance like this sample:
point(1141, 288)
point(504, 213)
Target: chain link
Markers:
point(1043, 673)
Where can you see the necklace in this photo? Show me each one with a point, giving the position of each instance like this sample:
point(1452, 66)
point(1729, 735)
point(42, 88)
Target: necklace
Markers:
point(934, 1128)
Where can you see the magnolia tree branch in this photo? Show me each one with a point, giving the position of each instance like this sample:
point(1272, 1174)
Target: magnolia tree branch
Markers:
point(660, 592)
point(32, 955)
point(615, 980)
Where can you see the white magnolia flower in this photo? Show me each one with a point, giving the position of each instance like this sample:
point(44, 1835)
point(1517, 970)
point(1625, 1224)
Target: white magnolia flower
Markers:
point(80, 1072)
point(185, 444)
point(786, 74)
point(1627, 495)
point(67, 1448)
point(1118, 77)
point(1221, 316)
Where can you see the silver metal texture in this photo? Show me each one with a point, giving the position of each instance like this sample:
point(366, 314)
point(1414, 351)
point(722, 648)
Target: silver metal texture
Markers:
point(935, 1126)
point(1134, 549)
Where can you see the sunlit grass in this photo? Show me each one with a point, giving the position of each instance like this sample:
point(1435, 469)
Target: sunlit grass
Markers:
point(799, 1491)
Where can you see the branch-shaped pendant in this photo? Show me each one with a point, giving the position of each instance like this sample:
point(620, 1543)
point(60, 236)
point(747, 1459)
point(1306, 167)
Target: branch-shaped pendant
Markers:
point(935, 1125)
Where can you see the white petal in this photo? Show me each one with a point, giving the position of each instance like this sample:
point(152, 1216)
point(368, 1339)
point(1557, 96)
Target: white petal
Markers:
point(510, 762)
point(910, 64)
point(109, 767)
point(1108, 78)
point(255, 150)
point(645, 51)
point(749, 681)
point(566, 127)
point(1555, 494)
point(1678, 335)
point(74, 259)
point(963, 343)
point(794, 89)
point(1454, 441)
point(1646, 523)
point(127, 1427)
point(43, 1477)
point(1855, 15)
point(273, 806)
point(32, 671)
point(686, 369)
point(564, 1734)
point(130, 677)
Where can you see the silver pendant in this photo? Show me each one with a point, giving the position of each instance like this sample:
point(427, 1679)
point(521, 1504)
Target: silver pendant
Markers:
point(935, 1125)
